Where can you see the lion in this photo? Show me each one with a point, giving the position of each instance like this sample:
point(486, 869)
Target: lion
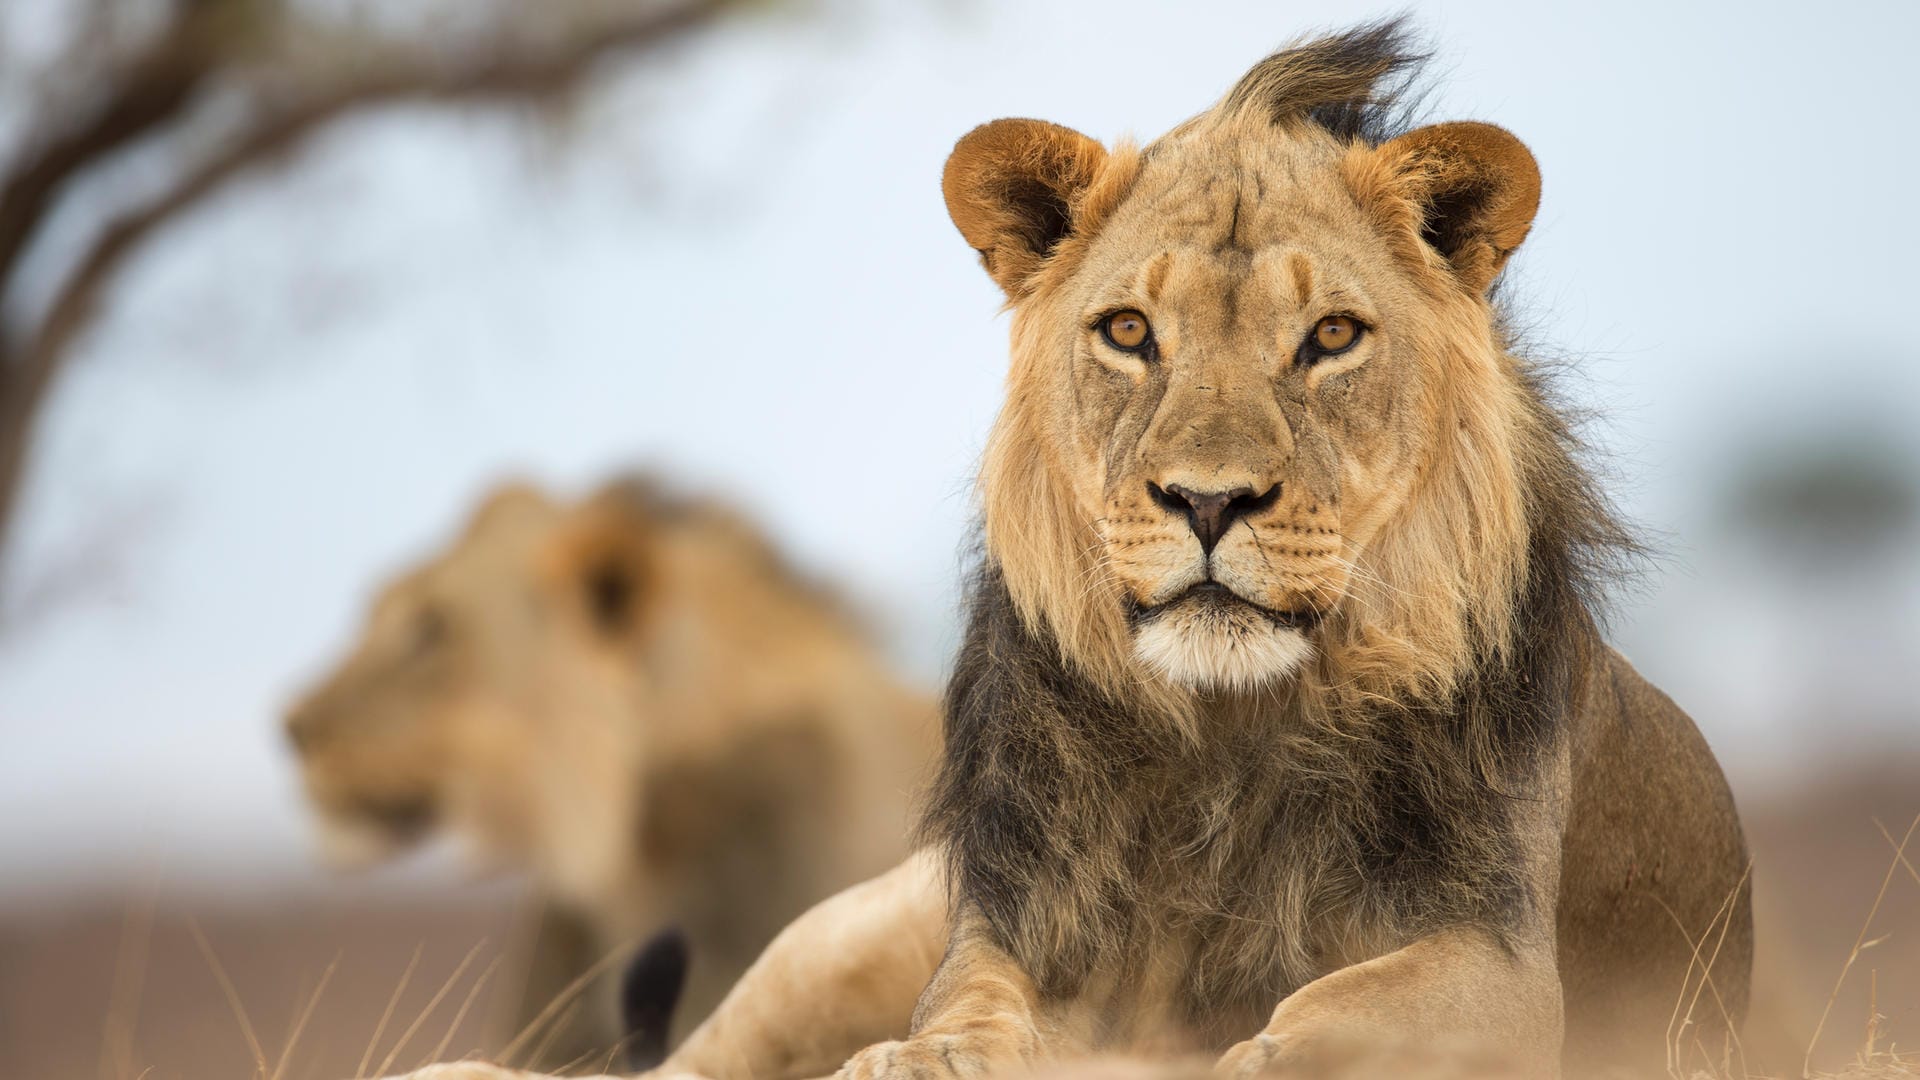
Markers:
point(1284, 730)
point(634, 698)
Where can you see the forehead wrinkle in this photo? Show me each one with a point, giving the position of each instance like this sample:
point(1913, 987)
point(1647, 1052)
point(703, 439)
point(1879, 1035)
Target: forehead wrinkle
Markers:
point(1219, 309)
point(1157, 274)
point(1192, 195)
point(1329, 277)
point(1190, 205)
point(1230, 279)
point(1122, 291)
point(1203, 211)
point(1231, 242)
point(1242, 202)
point(1300, 270)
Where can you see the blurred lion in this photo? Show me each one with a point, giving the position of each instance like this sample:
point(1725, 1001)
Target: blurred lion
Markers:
point(636, 700)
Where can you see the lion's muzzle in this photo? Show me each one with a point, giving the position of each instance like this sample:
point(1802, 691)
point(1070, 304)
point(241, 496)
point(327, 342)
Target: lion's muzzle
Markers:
point(1211, 513)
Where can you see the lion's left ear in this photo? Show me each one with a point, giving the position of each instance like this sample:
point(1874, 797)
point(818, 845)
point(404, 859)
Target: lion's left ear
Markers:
point(1467, 190)
point(1013, 188)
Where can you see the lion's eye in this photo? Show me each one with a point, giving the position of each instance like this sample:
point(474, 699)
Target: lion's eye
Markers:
point(1126, 330)
point(1331, 336)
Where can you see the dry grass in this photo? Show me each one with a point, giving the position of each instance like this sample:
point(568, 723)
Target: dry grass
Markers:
point(287, 991)
point(1877, 1058)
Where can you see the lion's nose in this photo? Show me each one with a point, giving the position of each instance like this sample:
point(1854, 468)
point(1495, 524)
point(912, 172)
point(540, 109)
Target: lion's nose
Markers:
point(1211, 513)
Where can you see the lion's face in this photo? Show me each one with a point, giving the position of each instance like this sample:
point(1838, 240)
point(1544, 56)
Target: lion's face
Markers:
point(487, 693)
point(1240, 359)
point(1251, 424)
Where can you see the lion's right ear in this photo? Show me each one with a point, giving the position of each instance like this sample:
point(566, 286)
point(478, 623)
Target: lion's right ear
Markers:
point(601, 564)
point(1013, 188)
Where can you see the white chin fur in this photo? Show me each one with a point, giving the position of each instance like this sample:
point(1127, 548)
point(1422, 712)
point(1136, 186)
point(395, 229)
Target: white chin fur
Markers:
point(1215, 651)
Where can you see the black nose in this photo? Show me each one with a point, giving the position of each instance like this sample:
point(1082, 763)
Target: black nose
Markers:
point(1212, 513)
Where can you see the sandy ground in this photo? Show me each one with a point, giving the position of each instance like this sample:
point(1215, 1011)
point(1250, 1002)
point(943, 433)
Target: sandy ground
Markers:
point(1820, 862)
point(64, 973)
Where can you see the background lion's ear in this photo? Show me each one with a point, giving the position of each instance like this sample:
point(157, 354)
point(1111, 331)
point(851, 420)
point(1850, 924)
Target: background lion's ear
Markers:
point(1012, 188)
point(507, 504)
point(601, 564)
point(1468, 190)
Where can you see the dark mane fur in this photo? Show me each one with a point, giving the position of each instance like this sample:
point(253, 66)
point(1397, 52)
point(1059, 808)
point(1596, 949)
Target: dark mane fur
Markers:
point(1358, 85)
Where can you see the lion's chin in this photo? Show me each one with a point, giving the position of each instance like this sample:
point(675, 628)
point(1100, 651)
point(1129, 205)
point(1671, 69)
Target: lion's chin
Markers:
point(367, 831)
point(355, 844)
point(1216, 647)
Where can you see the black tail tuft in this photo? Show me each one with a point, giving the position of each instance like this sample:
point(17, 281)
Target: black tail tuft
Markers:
point(648, 992)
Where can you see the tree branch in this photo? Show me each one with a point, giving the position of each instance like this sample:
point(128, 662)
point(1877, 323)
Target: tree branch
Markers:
point(146, 93)
point(508, 73)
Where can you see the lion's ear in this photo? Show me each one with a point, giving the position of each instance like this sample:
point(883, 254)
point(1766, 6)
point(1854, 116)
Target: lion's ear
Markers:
point(1012, 187)
point(1468, 190)
point(601, 564)
point(512, 503)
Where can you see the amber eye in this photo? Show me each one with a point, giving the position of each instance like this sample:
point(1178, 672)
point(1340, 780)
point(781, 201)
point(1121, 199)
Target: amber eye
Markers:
point(1126, 330)
point(1333, 334)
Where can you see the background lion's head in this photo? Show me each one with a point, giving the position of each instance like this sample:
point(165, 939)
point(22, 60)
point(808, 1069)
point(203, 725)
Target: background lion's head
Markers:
point(513, 688)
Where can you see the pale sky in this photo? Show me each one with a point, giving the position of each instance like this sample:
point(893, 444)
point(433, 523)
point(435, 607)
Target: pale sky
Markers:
point(738, 266)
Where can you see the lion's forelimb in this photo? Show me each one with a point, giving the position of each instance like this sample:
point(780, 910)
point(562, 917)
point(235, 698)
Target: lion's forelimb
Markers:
point(980, 1015)
point(842, 976)
point(1455, 994)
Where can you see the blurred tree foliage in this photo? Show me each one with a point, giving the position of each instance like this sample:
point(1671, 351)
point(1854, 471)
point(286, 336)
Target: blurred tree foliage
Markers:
point(175, 98)
point(1834, 500)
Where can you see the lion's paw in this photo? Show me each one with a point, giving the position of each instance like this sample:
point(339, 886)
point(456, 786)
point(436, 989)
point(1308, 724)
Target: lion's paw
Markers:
point(1262, 1055)
point(924, 1057)
point(1355, 1056)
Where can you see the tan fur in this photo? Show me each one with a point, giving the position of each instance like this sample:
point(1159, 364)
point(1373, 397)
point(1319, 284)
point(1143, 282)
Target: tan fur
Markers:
point(1444, 818)
point(631, 698)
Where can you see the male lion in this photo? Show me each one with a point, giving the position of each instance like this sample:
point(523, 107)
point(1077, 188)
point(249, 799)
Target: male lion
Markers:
point(1283, 730)
point(634, 698)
